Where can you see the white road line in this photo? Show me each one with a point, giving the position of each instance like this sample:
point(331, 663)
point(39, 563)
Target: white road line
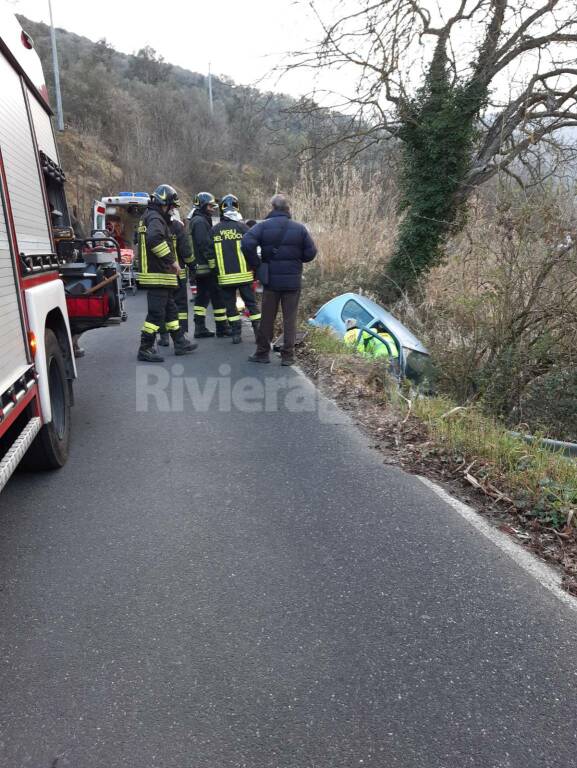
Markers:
point(547, 576)
point(543, 573)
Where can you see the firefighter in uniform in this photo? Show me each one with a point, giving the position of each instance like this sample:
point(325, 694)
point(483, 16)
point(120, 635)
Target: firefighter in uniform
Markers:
point(233, 272)
point(158, 273)
point(206, 281)
point(181, 245)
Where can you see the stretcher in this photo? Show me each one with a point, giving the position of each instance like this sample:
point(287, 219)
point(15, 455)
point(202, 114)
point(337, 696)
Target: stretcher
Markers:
point(127, 274)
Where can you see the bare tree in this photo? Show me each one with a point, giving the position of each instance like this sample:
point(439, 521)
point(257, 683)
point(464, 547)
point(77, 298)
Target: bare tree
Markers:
point(470, 87)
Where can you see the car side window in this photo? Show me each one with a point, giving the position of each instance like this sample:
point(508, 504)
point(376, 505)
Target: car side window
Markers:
point(353, 311)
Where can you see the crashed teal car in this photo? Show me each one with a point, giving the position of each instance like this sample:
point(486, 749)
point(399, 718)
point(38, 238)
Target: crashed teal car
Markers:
point(414, 359)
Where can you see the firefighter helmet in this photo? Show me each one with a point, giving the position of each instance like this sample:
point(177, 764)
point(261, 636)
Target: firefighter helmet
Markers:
point(204, 198)
point(228, 202)
point(165, 195)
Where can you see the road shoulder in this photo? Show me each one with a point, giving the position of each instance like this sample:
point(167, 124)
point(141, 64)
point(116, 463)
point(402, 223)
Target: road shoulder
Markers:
point(402, 440)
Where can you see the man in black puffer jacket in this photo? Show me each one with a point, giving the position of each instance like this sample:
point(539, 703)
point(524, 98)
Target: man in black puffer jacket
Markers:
point(285, 245)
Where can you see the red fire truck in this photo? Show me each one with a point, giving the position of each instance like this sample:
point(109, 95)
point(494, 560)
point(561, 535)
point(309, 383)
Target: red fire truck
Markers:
point(46, 294)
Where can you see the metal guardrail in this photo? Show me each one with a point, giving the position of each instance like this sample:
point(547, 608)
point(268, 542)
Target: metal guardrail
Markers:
point(568, 449)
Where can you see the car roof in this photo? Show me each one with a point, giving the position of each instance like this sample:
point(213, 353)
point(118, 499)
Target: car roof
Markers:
point(405, 337)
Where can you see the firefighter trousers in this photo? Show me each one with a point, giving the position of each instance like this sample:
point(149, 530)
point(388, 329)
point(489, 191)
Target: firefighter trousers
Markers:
point(180, 296)
point(208, 291)
point(162, 312)
point(248, 295)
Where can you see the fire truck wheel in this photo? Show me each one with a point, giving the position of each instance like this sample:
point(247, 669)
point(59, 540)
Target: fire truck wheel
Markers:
point(50, 448)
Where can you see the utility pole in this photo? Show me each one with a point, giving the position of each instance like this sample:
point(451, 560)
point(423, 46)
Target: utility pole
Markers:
point(210, 102)
point(59, 116)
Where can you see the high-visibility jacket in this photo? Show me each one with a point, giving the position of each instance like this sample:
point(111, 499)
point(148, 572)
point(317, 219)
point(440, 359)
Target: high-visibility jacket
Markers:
point(357, 339)
point(376, 348)
point(365, 343)
point(231, 265)
point(155, 252)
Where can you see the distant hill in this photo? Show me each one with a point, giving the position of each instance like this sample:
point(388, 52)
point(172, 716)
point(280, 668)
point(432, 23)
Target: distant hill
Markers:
point(133, 121)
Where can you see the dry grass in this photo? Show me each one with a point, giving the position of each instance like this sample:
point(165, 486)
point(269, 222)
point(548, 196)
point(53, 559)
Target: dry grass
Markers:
point(354, 224)
point(499, 315)
point(324, 341)
point(541, 482)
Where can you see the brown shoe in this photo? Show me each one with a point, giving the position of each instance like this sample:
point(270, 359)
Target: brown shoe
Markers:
point(258, 359)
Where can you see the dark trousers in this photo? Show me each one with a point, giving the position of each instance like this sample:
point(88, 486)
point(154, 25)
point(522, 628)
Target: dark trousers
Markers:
point(162, 312)
point(208, 291)
point(289, 301)
point(247, 294)
point(180, 296)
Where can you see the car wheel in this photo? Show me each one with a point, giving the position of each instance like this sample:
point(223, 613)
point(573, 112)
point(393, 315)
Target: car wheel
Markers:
point(51, 445)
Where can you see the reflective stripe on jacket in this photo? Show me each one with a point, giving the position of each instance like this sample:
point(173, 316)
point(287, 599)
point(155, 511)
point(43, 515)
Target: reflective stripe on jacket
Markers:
point(154, 251)
point(231, 264)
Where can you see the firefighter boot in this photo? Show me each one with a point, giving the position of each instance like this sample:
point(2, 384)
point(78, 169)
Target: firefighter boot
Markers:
point(255, 326)
point(146, 352)
point(223, 330)
point(163, 340)
point(182, 345)
point(236, 329)
point(200, 329)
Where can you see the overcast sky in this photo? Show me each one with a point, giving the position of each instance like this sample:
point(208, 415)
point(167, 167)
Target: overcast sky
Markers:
point(245, 42)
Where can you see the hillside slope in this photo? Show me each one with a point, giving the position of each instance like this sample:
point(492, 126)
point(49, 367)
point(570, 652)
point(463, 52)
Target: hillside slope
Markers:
point(122, 110)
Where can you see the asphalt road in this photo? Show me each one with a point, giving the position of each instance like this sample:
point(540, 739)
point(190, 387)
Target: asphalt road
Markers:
point(225, 577)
